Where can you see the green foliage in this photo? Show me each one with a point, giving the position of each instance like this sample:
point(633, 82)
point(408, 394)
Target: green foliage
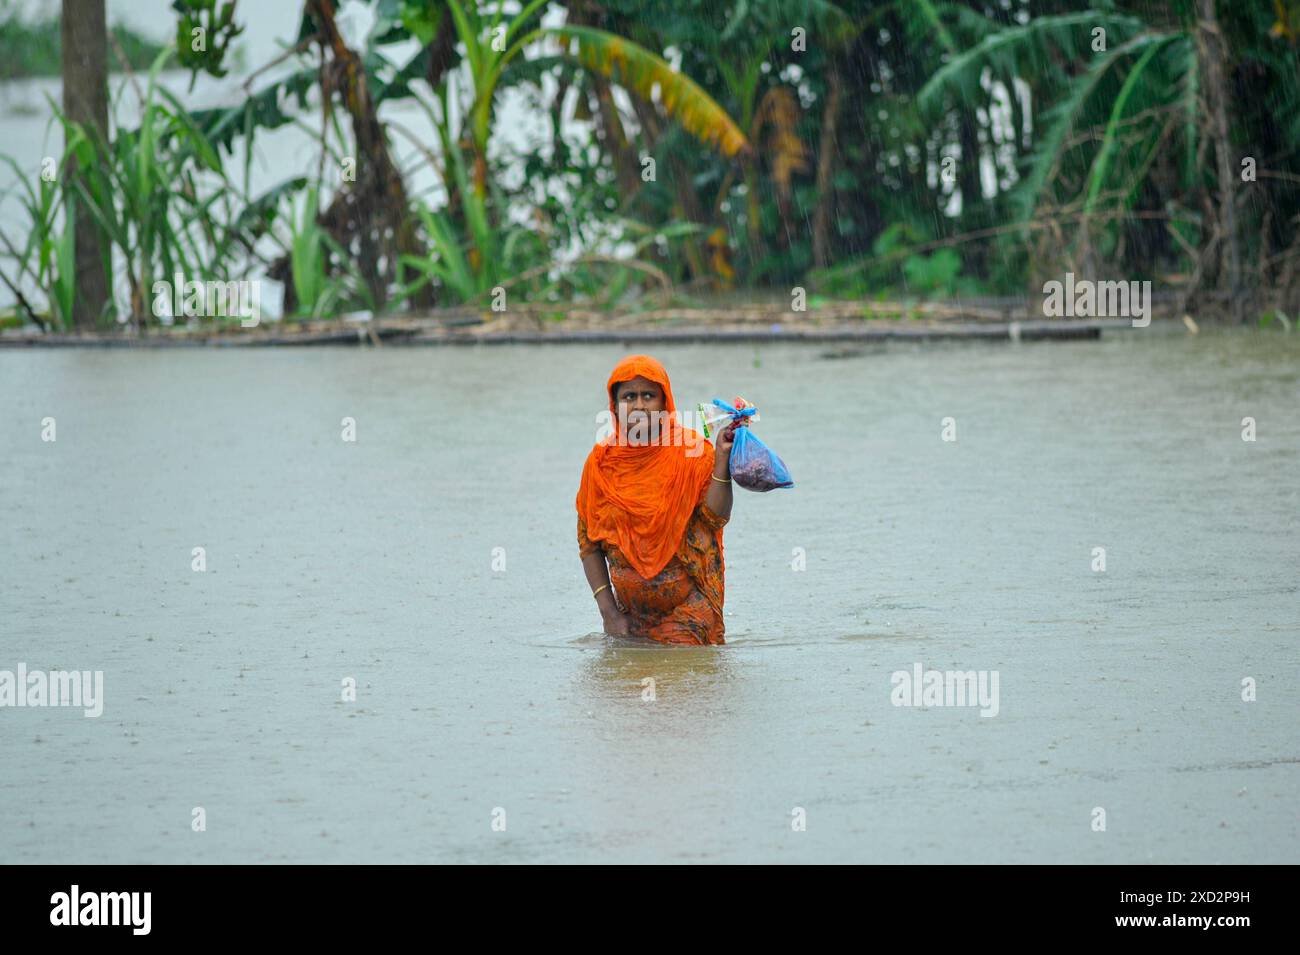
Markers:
point(159, 195)
point(643, 72)
point(1064, 146)
point(35, 48)
point(204, 30)
point(933, 274)
point(1022, 50)
point(902, 261)
point(46, 257)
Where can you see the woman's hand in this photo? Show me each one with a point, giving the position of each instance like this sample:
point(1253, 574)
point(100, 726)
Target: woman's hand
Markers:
point(616, 623)
point(727, 437)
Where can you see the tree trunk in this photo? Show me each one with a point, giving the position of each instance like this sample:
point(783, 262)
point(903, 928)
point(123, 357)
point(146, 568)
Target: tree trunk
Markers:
point(686, 205)
point(376, 209)
point(974, 211)
point(609, 126)
point(85, 101)
point(627, 165)
point(1213, 54)
point(826, 155)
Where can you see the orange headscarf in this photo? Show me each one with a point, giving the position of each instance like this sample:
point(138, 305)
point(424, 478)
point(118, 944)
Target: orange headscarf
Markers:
point(640, 498)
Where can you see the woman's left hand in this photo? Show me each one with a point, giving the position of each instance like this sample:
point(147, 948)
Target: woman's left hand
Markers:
point(727, 436)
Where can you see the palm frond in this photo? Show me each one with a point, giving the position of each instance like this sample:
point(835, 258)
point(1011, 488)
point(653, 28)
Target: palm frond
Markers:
point(1021, 46)
point(1110, 141)
point(1063, 118)
point(643, 73)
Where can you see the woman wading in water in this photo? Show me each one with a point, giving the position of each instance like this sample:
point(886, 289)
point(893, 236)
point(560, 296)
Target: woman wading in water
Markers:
point(652, 503)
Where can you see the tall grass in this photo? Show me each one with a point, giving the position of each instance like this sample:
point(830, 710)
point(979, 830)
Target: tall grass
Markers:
point(160, 197)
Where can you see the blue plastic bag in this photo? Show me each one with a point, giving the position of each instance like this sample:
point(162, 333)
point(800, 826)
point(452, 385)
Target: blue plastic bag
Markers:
point(754, 466)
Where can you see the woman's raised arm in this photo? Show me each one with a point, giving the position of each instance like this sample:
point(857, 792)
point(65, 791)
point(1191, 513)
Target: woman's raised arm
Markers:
point(718, 498)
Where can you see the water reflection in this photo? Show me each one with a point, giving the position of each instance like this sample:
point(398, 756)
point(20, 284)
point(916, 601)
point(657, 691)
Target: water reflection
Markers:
point(641, 674)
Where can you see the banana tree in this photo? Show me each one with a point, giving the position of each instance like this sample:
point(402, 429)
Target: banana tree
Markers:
point(492, 43)
point(1100, 129)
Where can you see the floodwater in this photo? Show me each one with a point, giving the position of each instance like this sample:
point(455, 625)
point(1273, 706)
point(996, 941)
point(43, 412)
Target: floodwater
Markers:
point(482, 694)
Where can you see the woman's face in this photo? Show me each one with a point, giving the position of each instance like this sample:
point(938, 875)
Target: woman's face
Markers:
point(640, 405)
